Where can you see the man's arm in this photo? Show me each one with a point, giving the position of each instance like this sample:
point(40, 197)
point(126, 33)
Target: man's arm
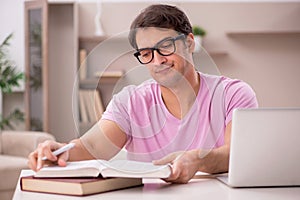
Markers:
point(186, 164)
point(217, 160)
point(102, 141)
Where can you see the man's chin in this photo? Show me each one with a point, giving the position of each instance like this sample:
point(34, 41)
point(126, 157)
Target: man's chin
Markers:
point(168, 83)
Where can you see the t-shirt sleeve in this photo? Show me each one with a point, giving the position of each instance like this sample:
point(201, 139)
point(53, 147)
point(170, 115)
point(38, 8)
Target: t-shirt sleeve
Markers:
point(117, 110)
point(238, 94)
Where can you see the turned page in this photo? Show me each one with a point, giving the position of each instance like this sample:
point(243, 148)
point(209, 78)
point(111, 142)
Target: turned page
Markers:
point(128, 168)
point(86, 168)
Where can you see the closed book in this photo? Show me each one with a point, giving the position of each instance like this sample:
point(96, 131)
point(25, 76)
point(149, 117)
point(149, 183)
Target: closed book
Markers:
point(89, 100)
point(114, 168)
point(98, 105)
point(83, 64)
point(82, 106)
point(76, 186)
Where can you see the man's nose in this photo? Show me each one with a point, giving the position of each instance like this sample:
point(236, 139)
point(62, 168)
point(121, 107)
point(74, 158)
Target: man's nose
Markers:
point(158, 59)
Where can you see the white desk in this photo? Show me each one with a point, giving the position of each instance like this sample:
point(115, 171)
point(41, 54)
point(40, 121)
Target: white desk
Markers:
point(195, 189)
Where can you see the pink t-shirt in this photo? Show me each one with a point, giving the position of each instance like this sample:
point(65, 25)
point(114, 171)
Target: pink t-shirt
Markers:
point(153, 132)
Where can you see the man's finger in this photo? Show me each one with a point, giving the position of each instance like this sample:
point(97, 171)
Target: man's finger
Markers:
point(39, 161)
point(32, 162)
point(62, 159)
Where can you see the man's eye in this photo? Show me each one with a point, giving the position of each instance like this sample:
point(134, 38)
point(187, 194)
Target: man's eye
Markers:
point(166, 45)
point(145, 54)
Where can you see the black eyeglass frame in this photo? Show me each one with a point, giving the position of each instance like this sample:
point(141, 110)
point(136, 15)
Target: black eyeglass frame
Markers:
point(155, 48)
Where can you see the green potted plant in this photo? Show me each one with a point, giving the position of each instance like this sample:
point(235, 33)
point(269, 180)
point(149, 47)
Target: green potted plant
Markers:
point(9, 78)
point(199, 33)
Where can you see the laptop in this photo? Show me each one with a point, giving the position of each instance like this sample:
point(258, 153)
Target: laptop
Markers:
point(265, 148)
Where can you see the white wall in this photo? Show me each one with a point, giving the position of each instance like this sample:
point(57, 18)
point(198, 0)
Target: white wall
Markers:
point(12, 20)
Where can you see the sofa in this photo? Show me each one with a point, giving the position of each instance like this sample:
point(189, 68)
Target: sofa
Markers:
point(15, 147)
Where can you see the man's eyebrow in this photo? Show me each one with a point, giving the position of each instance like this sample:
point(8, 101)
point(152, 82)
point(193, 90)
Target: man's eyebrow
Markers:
point(166, 38)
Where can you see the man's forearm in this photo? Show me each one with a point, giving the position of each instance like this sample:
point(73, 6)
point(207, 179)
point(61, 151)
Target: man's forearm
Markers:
point(216, 161)
point(79, 152)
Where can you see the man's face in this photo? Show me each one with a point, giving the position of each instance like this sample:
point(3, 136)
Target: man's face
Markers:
point(166, 70)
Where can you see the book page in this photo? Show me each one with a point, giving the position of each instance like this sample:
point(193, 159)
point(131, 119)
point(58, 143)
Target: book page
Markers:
point(73, 169)
point(78, 165)
point(135, 167)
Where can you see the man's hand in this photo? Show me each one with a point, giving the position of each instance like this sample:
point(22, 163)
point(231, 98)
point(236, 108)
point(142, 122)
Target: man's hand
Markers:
point(35, 161)
point(184, 165)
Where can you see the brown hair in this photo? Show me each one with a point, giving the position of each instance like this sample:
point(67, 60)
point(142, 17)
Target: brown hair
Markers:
point(160, 16)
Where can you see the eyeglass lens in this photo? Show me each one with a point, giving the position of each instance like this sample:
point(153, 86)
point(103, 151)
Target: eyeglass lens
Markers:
point(165, 47)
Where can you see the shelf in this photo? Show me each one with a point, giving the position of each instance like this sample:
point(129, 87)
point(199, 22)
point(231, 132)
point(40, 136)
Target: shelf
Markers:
point(262, 33)
point(217, 53)
point(93, 39)
point(110, 74)
point(53, 2)
point(106, 77)
point(98, 39)
point(92, 82)
point(90, 42)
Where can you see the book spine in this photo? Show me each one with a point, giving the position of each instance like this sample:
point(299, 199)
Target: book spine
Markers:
point(82, 107)
point(98, 105)
point(91, 105)
point(83, 64)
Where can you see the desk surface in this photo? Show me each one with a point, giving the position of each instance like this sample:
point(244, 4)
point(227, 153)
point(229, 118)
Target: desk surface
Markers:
point(195, 189)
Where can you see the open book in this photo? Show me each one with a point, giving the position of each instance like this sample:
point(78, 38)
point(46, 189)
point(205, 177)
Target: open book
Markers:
point(115, 168)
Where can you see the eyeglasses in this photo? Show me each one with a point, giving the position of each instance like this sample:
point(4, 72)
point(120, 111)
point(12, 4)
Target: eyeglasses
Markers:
point(165, 47)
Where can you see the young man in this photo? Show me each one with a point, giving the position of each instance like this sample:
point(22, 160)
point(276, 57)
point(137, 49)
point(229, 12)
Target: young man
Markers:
point(182, 116)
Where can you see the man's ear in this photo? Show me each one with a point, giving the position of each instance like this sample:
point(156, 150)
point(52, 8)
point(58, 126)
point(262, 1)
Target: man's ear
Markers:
point(190, 42)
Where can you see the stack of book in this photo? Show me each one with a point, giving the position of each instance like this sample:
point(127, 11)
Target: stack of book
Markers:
point(92, 176)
